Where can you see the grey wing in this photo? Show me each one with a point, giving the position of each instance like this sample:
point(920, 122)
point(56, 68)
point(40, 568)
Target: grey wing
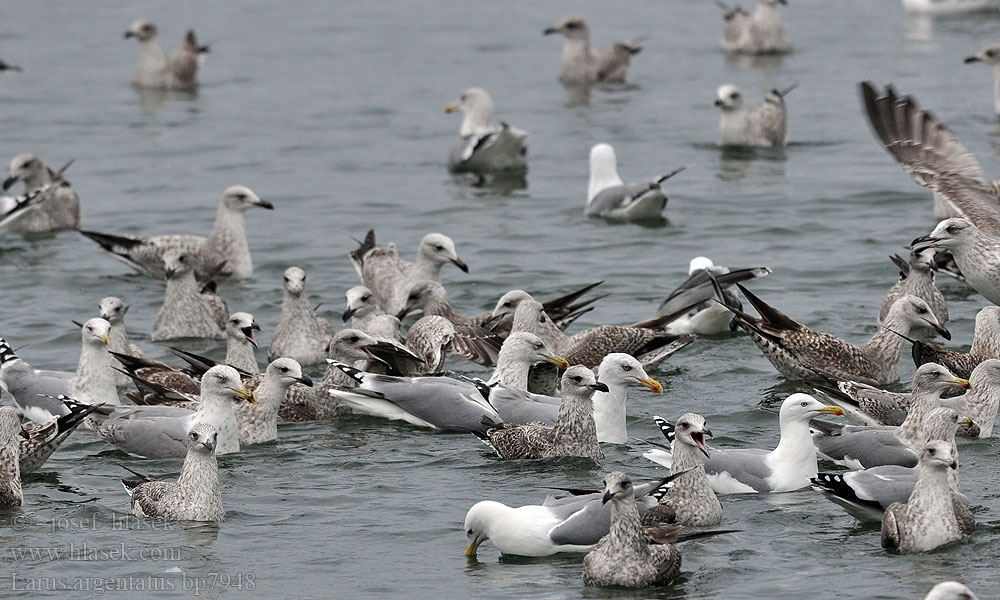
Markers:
point(151, 437)
point(464, 147)
point(966, 521)
point(890, 530)
point(445, 403)
point(614, 198)
point(932, 155)
point(585, 527)
point(517, 406)
point(749, 467)
point(869, 446)
point(698, 288)
point(612, 62)
point(884, 485)
point(35, 391)
point(146, 497)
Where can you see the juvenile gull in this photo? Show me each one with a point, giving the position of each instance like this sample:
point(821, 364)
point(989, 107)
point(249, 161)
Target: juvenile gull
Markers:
point(931, 517)
point(760, 32)
point(950, 590)
point(161, 431)
point(990, 55)
point(57, 209)
point(42, 440)
point(574, 433)
point(690, 499)
point(196, 496)
point(764, 124)
point(786, 468)
point(390, 277)
point(10, 470)
point(985, 345)
point(482, 145)
point(227, 242)
point(36, 392)
point(156, 70)
point(582, 64)
point(608, 196)
point(796, 351)
point(189, 310)
point(14, 208)
point(976, 251)
point(563, 310)
point(981, 402)
point(258, 422)
point(927, 150)
point(362, 306)
point(571, 523)
point(706, 317)
point(113, 311)
point(916, 277)
point(301, 334)
point(240, 342)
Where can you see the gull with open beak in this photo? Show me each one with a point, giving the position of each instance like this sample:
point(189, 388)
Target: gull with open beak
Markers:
point(690, 499)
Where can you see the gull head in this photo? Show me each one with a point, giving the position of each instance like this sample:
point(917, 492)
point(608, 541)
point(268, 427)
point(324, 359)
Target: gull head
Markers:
point(922, 262)
point(203, 438)
point(987, 54)
point(574, 27)
point(287, 371)
point(620, 370)
point(142, 30)
point(241, 326)
point(937, 455)
point(530, 316)
point(950, 590)
point(294, 281)
point(349, 345)
point(508, 303)
point(950, 233)
point(22, 167)
point(729, 97)
point(423, 294)
point(477, 110)
point(937, 379)
point(479, 523)
point(988, 323)
point(913, 312)
point(700, 263)
point(985, 378)
point(440, 249)
point(802, 407)
point(223, 381)
point(691, 430)
point(10, 425)
point(240, 198)
point(113, 310)
point(528, 349)
point(176, 262)
point(603, 169)
point(580, 380)
point(942, 424)
point(618, 487)
point(361, 302)
point(95, 332)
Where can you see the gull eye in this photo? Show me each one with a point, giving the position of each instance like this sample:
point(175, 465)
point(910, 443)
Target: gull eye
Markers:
point(286, 279)
point(626, 368)
point(353, 339)
point(930, 451)
point(804, 404)
point(577, 379)
point(469, 532)
point(991, 52)
point(682, 425)
point(284, 369)
point(539, 345)
point(735, 95)
point(952, 229)
point(921, 310)
point(365, 298)
point(241, 196)
point(221, 377)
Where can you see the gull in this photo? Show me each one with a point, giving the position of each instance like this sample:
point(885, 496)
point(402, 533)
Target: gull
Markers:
point(14, 208)
point(582, 64)
point(705, 316)
point(563, 310)
point(258, 421)
point(38, 442)
point(57, 208)
point(916, 277)
point(574, 433)
point(389, 277)
point(985, 345)
point(482, 145)
point(936, 159)
point(161, 431)
point(690, 500)
point(572, 523)
point(36, 392)
point(156, 70)
point(301, 334)
point(950, 590)
point(931, 517)
point(10, 471)
point(113, 310)
point(196, 496)
point(608, 196)
point(760, 32)
point(764, 124)
point(981, 402)
point(990, 55)
point(796, 350)
point(190, 310)
point(976, 252)
point(227, 242)
point(786, 468)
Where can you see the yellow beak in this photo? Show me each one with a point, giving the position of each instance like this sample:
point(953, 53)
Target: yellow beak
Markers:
point(966, 422)
point(104, 338)
point(473, 547)
point(831, 410)
point(451, 107)
point(652, 384)
point(245, 394)
point(959, 382)
point(558, 361)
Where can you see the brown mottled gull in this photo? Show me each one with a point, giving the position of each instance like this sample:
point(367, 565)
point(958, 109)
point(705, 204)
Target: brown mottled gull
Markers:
point(931, 517)
point(42, 440)
point(57, 208)
point(690, 499)
point(227, 242)
point(155, 69)
point(10, 470)
point(113, 311)
point(764, 124)
point(582, 64)
point(916, 277)
point(985, 345)
point(759, 32)
point(483, 146)
point(189, 309)
point(196, 496)
point(259, 421)
point(301, 334)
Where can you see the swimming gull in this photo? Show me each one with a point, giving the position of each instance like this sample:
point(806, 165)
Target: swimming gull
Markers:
point(36, 392)
point(574, 433)
point(301, 334)
point(10, 470)
point(759, 32)
point(482, 145)
point(985, 345)
point(950, 590)
point(563, 310)
point(990, 55)
point(786, 468)
point(976, 251)
point(931, 517)
point(42, 440)
point(706, 317)
point(113, 311)
point(161, 431)
point(156, 70)
point(764, 124)
point(916, 277)
point(57, 209)
point(190, 309)
point(568, 523)
point(390, 277)
point(14, 208)
point(227, 242)
point(259, 421)
point(196, 496)
point(689, 500)
point(608, 196)
point(240, 342)
point(981, 402)
point(582, 64)
point(796, 350)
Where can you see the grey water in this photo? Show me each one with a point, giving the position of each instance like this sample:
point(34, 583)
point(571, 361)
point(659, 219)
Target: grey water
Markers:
point(334, 112)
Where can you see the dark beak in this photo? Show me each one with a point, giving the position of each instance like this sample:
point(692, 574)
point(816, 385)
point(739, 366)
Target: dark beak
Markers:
point(607, 496)
point(129, 34)
point(77, 323)
point(461, 265)
point(718, 102)
point(942, 331)
point(349, 313)
point(169, 273)
point(248, 333)
point(550, 31)
point(265, 204)
point(304, 380)
point(24, 433)
point(971, 59)
point(209, 444)
point(953, 465)
point(403, 313)
point(10, 181)
point(922, 243)
point(599, 387)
